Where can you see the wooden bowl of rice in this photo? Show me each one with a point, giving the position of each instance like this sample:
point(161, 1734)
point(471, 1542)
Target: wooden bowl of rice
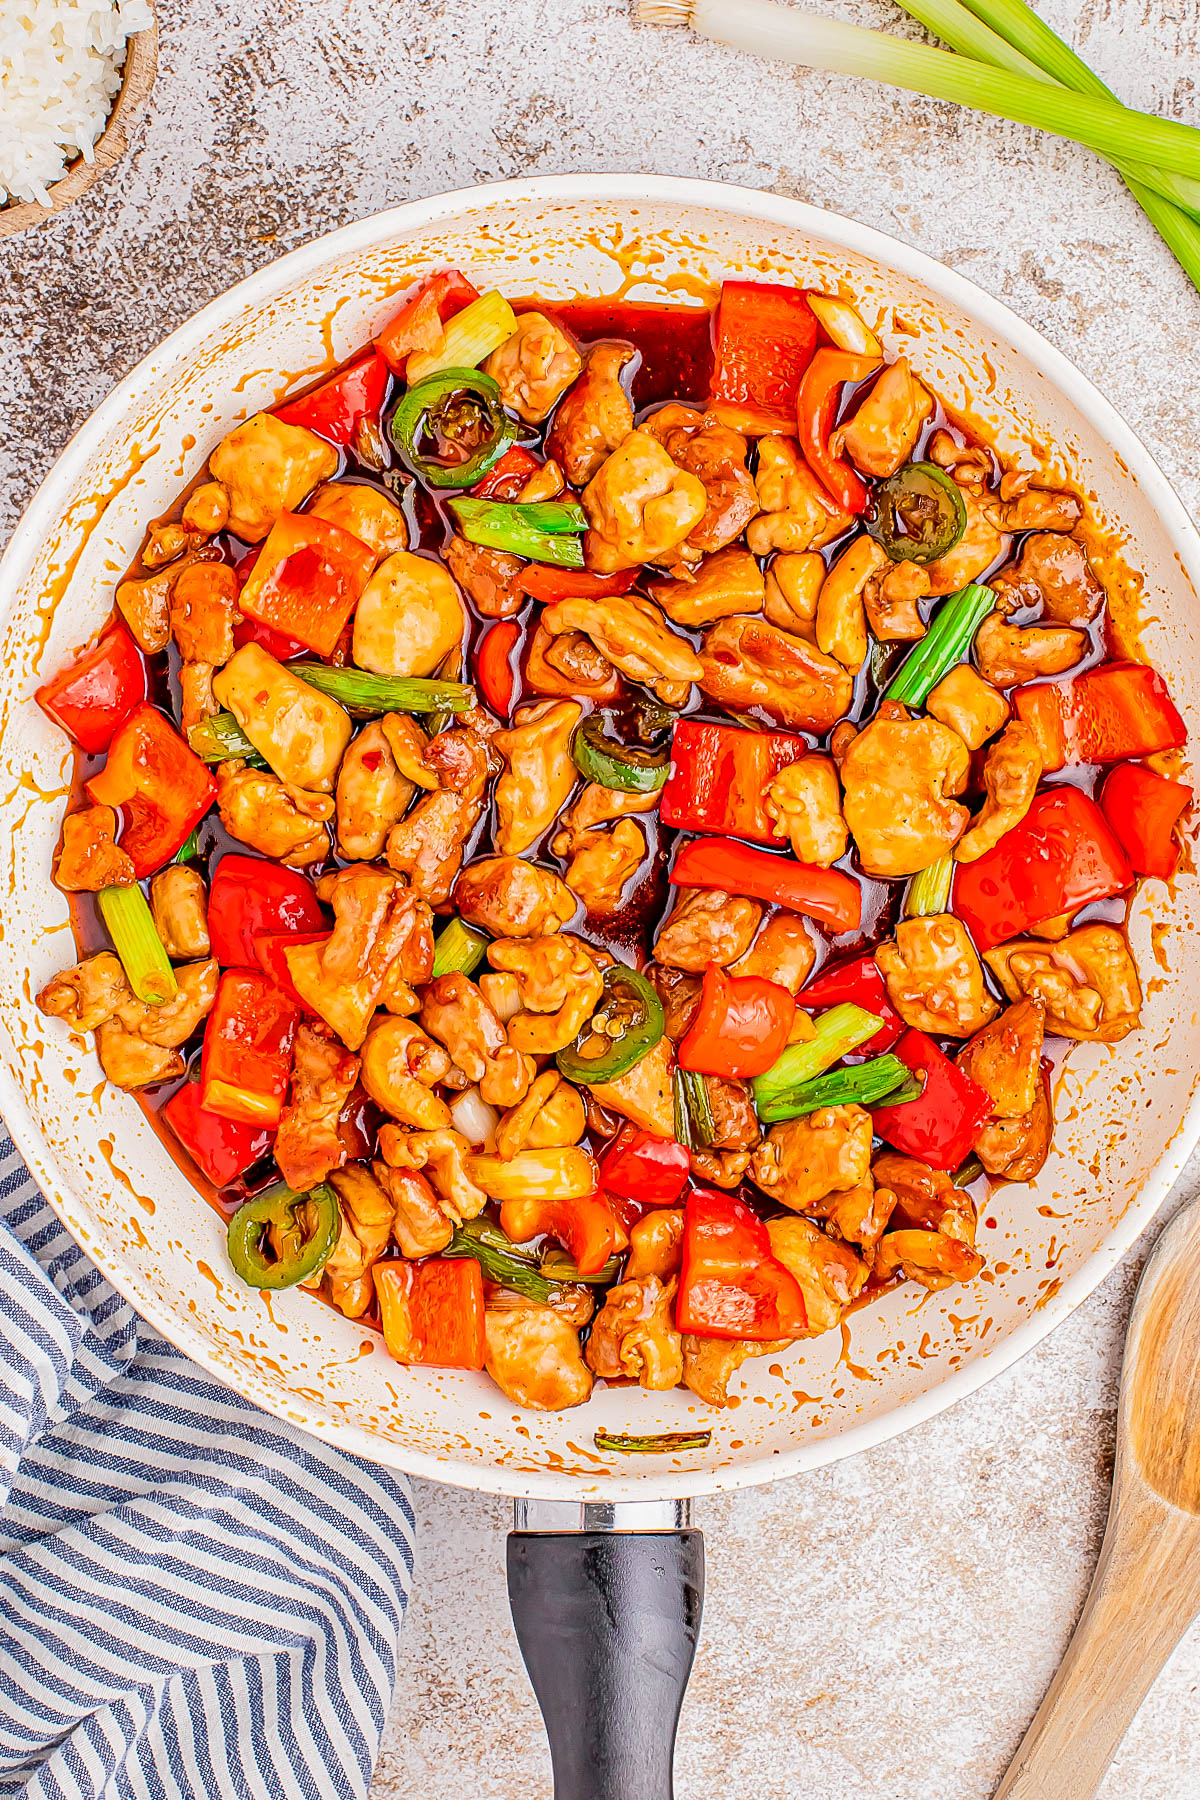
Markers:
point(137, 78)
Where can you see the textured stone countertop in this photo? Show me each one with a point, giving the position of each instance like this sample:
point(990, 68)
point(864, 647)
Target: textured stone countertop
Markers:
point(882, 1629)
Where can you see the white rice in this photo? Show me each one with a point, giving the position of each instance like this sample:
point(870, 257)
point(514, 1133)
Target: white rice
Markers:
point(60, 68)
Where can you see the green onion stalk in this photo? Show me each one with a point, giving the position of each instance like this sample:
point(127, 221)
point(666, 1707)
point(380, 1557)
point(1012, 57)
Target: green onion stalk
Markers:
point(695, 1127)
point(545, 531)
point(839, 1031)
point(501, 1261)
point(220, 739)
point(951, 632)
point(929, 891)
point(126, 913)
point(662, 1443)
point(459, 949)
point(366, 695)
point(866, 1084)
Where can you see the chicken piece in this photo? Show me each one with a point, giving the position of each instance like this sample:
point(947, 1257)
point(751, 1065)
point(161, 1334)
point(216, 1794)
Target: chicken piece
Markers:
point(745, 663)
point(539, 773)
point(716, 454)
point(631, 634)
point(267, 467)
point(934, 977)
point(533, 1354)
point(443, 1154)
point(841, 619)
point(382, 931)
point(793, 587)
point(783, 952)
point(707, 926)
point(491, 579)
point(534, 367)
point(806, 802)
point(595, 418)
point(419, 1225)
point(455, 1012)
point(981, 544)
point(890, 602)
point(257, 809)
point(366, 1226)
point(165, 541)
point(801, 1161)
point(569, 666)
point(550, 1117)
point(680, 996)
point(735, 1121)
point(206, 509)
point(202, 607)
point(927, 1257)
point(1011, 773)
point(1017, 1148)
point(401, 1066)
point(727, 582)
point(546, 484)
point(511, 898)
point(88, 994)
point(971, 465)
point(137, 1044)
point(634, 1337)
point(144, 602)
point(897, 778)
point(302, 733)
point(655, 1244)
point(596, 806)
point(89, 857)
point(308, 1145)
point(882, 433)
point(427, 846)
point(968, 704)
point(830, 1275)
point(860, 1215)
point(640, 506)
point(1037, 509)
point(1008, 654)
point(1052, 572)
point(644, 1094)
point(926, 1199)
point(409, 617)
point(603, 864)
point(560, 987)
point(796, 514)
point(179, 904)
point(1005, 1058)
point(1088, 981)
point(196, 696)
point(380, 773)
point(365, 513)
point(709, 1363)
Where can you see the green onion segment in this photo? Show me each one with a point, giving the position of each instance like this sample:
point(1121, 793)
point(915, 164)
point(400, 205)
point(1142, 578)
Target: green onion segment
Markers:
point(459, 949)
point(500, 1261)
point(839, 1031)
point(126, 913)
point(542, 530)
point(863, 1085)
point(695, 1128)
point(220, 739)
point(929, 891)
point(662, 1443)
point(366, 695)
point(951, 632)
point(467, 338)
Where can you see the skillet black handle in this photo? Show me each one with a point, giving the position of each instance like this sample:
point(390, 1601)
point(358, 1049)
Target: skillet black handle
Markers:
point(607, 1622)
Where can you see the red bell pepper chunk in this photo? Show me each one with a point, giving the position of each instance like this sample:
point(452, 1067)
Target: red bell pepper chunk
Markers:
point(1104, 715)
point(1143, 809)
point(816, 413)
point(856, 983)
point(824, 894)
point(247, 1055)
point(432, 1312)
point(766, 335)
point(941, 1126)
point(588, 1228)
point(542, 582)
point(160, 785)
point(249, 896)
point(719, 775)
point(338, 407)
point(505, 479)
point(493, 665)
point(221, 1148)
point(283, 649)
point(1063, 855)
point(640, 1166)
point(307, 580)
point(271, 947)
point(417, 325)
point(730, 1285)
point(740, 1027)
point(96, 693)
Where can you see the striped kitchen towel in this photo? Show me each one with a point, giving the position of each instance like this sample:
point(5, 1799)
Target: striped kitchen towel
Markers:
point(197, 1602)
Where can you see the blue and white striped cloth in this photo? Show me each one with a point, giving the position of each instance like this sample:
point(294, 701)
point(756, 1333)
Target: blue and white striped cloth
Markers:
point(196, 1601)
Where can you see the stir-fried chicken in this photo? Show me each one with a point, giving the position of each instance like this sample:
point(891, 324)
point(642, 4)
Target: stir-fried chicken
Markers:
point(897, 778)
point(1023, 507)
point(634, 1336)
point(793, 587)
point(925, 1198)
point(302, 733)
point(595, 806)
point(365, 513)
point(534, 367)
point(511, 898)
point(381, 771)
point(179, 905)
point(1017, 1148)
point(981, 545)
point(716, 454)
point(383, 933)
point(1011, 772)
point(490, 578)
point(882, 432)
point(746, 662)
point(442, 1156)
point(926, 1257)
point(569, 665)
point(551, 1116)
point(89, 857)
point(284, 823)
point(707, 926)
point(419, 1224)
point(366, 1226)
point(644, 1094)
point(1088, 982)
point(604, 863)
point(266, 467)
point(890, 602)
point(309, 1145)
point(539, 774)
point(801, 1161)
point(144, 602)
point(409, 617)
point(633, 636)
point(1005, 1058)
point(595, 418)
point(428, 845)
point(934, 977)
point(830, 1275)
point(202, 605)
point(455, 1012)
point(841, 618)
point(1009, 653)
point(640, 506)
point(859, 1215)
point(1052, 572)
point(721, 585)
point(968, 704)
point(805, 800)
point(783, 952)
point(533, 1353)
point(710, 1363)
point(796, 514)
point(679, 994)
point(138, 1045)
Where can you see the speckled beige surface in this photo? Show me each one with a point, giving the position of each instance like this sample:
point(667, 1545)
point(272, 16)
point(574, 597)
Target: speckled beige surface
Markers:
point(880, 1630)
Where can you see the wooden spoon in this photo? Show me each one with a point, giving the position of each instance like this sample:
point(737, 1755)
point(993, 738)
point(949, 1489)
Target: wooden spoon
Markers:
point(1146, 1589)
